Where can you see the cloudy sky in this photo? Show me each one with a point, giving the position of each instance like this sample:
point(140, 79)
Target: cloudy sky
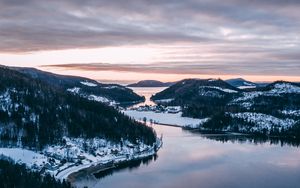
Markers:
point(154, 39)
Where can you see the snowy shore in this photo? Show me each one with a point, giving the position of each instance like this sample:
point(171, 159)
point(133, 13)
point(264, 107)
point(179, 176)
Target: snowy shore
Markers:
point(50, 160)
point(165, 118)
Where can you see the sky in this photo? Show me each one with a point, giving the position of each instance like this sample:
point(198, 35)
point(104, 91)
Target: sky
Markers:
point(166, 40)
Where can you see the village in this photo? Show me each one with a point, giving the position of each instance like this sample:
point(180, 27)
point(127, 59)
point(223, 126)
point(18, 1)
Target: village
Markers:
point(76, 154)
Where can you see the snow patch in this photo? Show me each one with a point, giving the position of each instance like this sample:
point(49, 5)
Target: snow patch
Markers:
point(285, 88)
point(101, 99)
point(90, 84)
point(248, 84)
point(264, 121)
point(74, 90)
point(113, 87)
point(279, 88)
point(165, 118)
point(246, 87)
point(291, 112)
point(164, 100)
point(78, 153)
point(219, 88)
point(25, 156)
point(5, 101)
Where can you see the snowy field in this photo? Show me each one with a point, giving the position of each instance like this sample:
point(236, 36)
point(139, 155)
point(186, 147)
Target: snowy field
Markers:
point(165, 118)
point(219, 88)
point(28, 157)
point(76, 90)
point(90, 84)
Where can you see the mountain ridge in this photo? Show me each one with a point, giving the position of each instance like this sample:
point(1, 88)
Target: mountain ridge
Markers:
point(85, 86)
point(270, 110)
point(241, 83)
point(151, 83)
point(38, 114)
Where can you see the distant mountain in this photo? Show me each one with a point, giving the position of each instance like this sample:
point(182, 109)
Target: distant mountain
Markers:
point(241, 83)
point(150, 83)
point(191, 88)
point(35, 113)
point(285, 86)
point(270, 110)
point(88, 88)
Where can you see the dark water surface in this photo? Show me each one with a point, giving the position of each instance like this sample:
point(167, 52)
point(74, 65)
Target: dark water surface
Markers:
point(191, 160)
point(206, 161)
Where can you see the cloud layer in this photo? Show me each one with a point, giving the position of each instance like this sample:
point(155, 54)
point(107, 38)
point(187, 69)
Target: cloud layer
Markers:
point(190, 68)
point(250, 36)
point(59, 24)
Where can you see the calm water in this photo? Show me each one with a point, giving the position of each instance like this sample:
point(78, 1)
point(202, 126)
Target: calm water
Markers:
point(147, 92)
point(193, 160)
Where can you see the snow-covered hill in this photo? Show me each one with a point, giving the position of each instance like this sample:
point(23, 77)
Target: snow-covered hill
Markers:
point(277, 89)
point(113, 92)
point(263, 122)
point(78, 153)
point(256, 109)
point(51, 130)
point(241, 83)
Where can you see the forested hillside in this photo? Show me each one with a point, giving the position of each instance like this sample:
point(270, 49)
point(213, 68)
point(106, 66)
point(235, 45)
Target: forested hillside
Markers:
point(34, 114)
point(88, 88)
point(270, 110)
point(14, 175)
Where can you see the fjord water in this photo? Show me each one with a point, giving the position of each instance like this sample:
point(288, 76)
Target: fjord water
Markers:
point(193, 160)
point(147, 92)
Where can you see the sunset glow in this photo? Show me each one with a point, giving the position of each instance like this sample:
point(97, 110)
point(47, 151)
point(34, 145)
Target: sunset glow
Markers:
point(260, 42)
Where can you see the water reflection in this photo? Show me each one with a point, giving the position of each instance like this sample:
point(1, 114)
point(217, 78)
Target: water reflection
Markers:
point(130, 165)
point(195, 160)
point(249, 139)
point(147, 93)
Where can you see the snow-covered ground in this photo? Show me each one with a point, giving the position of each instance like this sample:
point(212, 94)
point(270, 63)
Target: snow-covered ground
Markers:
point(76, 90)
point(291, 112)
point(77, 154)
point(280, 88)
point(101, 99)
point(5, 101)
point(264, 121)
point(90, 84)
point(246, 87)
point(285, 88)
point(219, 88)
point(9, 106)
point(164, 100)
point(28, 157)
point(113, 87)
point(165, 118)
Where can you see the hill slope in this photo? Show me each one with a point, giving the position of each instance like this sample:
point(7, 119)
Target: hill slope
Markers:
point(107, 93)
point(272, 110)
point(34, 113)
point(199, 97)
point(150, 83)
point(241, 83)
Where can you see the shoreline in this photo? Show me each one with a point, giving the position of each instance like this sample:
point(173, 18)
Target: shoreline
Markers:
point(102, 168)
point(114, 165)
point(110, 165)
point(165, 124)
